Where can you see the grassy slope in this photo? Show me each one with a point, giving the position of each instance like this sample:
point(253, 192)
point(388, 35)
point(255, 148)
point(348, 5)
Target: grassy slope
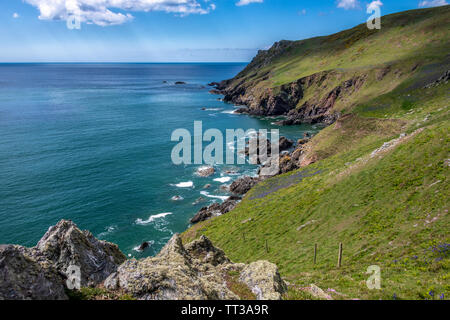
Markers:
point(390, 210)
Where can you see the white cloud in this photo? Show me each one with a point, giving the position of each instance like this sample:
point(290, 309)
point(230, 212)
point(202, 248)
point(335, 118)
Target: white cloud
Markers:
point(246, 2)
point(348, 4)
point(16, 15)
point(432, 3)
point(101, 12)
point(374, 5)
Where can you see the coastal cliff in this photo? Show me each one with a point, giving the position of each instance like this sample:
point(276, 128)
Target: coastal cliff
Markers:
point(375, 179)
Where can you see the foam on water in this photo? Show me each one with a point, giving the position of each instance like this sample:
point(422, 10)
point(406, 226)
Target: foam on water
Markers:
point(223, 179)
point(187, 184)
point(152, 218)
point(207, 194)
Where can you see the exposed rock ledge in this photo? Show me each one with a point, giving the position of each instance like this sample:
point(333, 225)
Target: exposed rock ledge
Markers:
point(288, 99)
point(195, 271)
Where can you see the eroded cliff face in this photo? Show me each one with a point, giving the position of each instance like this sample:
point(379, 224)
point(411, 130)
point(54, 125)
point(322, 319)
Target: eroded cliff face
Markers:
point(310, 99)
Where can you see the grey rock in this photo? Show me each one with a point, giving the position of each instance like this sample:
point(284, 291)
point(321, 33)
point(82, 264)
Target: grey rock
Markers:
point(243, 185)
point(263, 279)
point(65, 245)
point(24, 278)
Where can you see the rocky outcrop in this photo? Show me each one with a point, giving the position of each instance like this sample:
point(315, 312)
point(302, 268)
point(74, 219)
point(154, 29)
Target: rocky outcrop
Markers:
point(205, 171)
point(263, 279)
point(195, 272)
point(24, 278)
point(442, 80)
point(288, 99)
point(215, 210)
point(285, 144)
point(243, 185)
point(65, 245)
point(41, 272)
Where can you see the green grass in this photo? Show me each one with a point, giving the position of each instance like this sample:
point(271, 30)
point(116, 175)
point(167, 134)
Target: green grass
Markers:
point(389, 210)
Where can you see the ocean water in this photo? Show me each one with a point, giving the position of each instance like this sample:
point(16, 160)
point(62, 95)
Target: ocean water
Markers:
point(91, 143)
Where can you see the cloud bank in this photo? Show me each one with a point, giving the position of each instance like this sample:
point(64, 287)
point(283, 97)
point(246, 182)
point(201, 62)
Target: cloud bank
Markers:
point(108, 12)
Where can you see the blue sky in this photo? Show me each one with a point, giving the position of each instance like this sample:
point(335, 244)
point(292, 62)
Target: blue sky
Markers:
point(171, 30)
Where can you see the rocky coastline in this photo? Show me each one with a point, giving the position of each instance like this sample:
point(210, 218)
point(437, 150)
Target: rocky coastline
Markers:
point(67, 257)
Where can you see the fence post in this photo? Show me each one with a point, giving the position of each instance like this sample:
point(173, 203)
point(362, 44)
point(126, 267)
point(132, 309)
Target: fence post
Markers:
point(340, 255)
point(315, 253)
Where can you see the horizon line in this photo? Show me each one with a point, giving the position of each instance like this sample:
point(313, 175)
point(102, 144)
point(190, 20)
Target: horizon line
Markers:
point(118, 62)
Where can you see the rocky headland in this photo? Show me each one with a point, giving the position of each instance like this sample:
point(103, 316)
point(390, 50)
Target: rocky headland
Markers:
point(195, 271)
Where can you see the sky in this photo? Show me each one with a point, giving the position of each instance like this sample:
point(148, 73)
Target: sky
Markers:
point(172, 30)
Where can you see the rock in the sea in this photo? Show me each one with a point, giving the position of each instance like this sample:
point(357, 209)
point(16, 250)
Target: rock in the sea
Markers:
point(285, 143)
point(180, 82)
point(205, 171)
point(65, 245)
point(243, 185)
point(24, 278)
point(177, 198)
point(215, 209)
point(198, 201)
point(263, 279)
point(197, 271)
point(144, 245)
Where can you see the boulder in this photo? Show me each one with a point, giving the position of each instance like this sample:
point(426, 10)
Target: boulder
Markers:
point(243, 185)
point(215, 210)
point(263, 279)
point(24, 278)
point(144, 245)
point(65, 245)
point(205, 171)
point(285, 144)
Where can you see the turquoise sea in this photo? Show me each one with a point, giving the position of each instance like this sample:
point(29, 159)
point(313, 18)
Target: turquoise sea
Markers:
point(91, 143)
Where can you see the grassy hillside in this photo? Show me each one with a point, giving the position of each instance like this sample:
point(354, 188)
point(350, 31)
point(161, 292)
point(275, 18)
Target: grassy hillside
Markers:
point(387, 203)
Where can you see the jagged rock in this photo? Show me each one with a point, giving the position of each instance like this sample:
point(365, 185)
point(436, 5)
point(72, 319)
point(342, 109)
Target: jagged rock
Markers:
point(144, 245)
point(215, 210)
point(243, 185)
point(206, 213)
point(65, 245)
point(285, 143)
point(263, 279)
point(174, 274)
point(203, 249)
point(24, 278)
point(198, 201)
point(205, 171)
point(197, 271)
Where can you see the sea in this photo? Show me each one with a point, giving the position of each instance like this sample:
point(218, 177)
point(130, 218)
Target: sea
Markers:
point(92, 143)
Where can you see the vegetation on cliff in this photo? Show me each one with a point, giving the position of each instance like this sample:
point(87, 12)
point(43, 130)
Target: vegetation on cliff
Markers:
point(376, 179)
